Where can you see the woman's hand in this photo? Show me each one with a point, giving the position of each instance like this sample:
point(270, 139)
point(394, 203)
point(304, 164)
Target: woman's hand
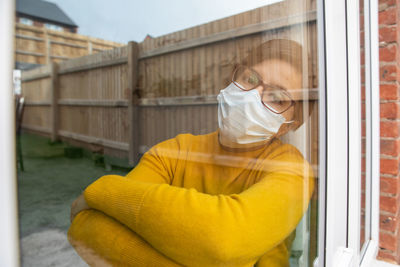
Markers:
point(77, 206)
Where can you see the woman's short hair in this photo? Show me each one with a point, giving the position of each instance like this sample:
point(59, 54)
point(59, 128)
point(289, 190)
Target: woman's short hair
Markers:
point(282, 49)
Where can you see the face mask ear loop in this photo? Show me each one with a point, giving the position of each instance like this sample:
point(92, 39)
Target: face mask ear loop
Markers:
point(288, 122)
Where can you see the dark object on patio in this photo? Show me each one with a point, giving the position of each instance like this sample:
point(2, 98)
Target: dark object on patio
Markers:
point(19, 112)
point(73, 152)
point(98, 159)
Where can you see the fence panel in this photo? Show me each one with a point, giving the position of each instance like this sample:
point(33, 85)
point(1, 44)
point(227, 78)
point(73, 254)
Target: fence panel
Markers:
point(36, 88)
point(101, 105)
point(93, 100)
point(39, 45)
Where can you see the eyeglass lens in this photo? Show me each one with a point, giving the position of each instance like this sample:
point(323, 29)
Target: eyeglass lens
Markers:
point(274, 97)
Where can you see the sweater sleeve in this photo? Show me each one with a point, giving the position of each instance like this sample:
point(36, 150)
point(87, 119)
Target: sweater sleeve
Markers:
point(96, 233)
point(189, 226)
point(157, 165)
point(99, 238)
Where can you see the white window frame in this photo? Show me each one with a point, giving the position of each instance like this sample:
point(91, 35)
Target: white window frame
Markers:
point(9, 248)
point(340, 133)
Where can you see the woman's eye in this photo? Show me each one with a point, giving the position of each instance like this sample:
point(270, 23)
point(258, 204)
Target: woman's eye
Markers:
point(252, 79)
point(276, 99)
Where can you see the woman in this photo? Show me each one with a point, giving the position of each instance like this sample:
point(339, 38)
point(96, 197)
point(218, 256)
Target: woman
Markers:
point(229, 198)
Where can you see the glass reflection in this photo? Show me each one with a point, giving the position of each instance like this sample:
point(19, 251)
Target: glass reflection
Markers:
point(227, 172)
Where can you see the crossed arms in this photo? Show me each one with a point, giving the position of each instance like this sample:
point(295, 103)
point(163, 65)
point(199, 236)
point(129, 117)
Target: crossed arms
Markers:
point(156, 223)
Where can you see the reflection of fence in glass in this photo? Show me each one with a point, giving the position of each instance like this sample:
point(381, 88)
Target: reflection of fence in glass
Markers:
point(125, 100)
point(91, 94)
point(37, 45)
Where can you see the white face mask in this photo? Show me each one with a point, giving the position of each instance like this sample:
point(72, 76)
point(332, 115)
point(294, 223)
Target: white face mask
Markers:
point(243, 119)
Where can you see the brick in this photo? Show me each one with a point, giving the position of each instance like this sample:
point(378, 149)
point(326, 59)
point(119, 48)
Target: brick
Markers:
point(363, 188)
point(389, 92)
point(388, 16)
point(37, 24)
point(363, 92)
point(363, 144)
point(388, 223)
point(387, 256)
point(388, 73)
point(362, 58)
point(389, 129)
point(363, 110)
point(388, 204)
point(390, 147)
point(363, 128)
point(387, 241)
point(398, 67)
point(362, 74)
point(389, 166)
point(389, 110)
point(386, 3)
point(388, 34)
point(389, 185)
point(387, 53)
point(363, 202)
point(363, 165)
point(362, 34)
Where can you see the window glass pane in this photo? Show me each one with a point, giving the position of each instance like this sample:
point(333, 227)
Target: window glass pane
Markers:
point(363, 130)
point(197, 144)
point(26, 21)
point(53, 27)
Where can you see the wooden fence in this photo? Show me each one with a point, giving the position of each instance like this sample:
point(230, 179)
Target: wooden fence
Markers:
point(39, 45)
point(125, 100)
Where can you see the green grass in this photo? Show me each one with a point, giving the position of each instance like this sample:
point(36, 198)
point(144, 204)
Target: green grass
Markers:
point(51, 182)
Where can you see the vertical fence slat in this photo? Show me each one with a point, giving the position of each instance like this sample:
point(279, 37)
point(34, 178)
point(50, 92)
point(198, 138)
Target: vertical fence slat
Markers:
point(48, 49)
point(133, 104)
point(54, 101)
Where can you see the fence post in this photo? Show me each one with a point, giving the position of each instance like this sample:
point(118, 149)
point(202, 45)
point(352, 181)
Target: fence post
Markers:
point(133, 104)
point(54, 119)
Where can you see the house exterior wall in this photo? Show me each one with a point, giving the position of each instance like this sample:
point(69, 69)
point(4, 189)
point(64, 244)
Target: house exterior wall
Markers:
point(40, 23)
point(389, 57)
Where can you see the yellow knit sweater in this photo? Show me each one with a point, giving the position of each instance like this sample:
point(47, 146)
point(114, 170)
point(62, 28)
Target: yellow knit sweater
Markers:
point(190, 202)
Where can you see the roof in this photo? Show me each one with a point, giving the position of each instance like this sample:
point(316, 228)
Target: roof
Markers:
point(43, 10)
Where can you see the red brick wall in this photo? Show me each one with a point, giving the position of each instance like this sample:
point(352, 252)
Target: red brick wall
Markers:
point(389, 57)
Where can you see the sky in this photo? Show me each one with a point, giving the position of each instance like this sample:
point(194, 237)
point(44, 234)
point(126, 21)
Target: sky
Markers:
point(123, 20)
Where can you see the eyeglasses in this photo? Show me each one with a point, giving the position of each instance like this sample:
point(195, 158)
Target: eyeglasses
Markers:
point(273, 97)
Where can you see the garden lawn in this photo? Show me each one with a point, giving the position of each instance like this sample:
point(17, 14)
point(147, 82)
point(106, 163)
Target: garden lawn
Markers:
point(50, 183)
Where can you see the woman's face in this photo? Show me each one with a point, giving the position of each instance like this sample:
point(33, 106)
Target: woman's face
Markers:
point(281, 74)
